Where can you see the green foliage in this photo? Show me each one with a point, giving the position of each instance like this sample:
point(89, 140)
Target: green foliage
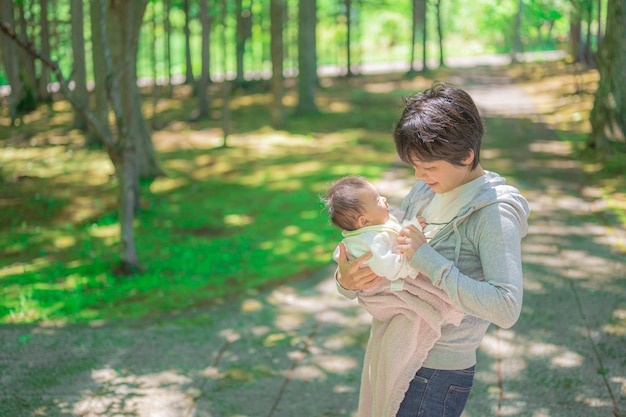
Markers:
point(381, 31)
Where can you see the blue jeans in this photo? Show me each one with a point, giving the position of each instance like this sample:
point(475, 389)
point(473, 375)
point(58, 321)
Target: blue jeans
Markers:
point(437, 393)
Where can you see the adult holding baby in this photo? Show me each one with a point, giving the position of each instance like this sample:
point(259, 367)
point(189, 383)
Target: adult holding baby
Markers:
point(470, 249)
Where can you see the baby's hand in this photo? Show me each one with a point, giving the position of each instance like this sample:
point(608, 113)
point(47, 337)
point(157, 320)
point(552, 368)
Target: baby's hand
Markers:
point(409, 240)
point(422, 221)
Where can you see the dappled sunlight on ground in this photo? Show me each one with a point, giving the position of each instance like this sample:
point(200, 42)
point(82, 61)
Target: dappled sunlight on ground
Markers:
point(313, 331)
point(617, 326)
point(564, 99)
point(551, 147)
point(150, 395)
point(518, 351)
point(520, 356)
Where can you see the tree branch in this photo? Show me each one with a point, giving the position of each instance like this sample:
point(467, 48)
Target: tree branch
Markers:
point(107, 139)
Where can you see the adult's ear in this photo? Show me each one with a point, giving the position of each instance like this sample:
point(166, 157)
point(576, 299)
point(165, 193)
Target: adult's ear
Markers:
point(469, 159)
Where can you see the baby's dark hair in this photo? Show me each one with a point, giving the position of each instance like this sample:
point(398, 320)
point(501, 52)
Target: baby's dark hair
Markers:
point(441, 123)
point(343, 204)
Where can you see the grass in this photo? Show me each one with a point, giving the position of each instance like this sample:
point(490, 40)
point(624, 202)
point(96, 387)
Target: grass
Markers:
point(225, 221)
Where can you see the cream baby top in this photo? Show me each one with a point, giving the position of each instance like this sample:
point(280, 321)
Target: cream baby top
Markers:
point(380, 240)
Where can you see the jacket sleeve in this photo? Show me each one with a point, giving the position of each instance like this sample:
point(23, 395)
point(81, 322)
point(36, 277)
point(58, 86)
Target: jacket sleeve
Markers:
point(350, 294)
point(495, 296)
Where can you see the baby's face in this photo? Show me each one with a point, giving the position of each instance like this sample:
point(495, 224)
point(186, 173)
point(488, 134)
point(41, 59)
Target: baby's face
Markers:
point(376, 207)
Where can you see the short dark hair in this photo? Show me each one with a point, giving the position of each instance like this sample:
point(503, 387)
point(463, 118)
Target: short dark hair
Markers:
point(441, 123)
point(342, 202)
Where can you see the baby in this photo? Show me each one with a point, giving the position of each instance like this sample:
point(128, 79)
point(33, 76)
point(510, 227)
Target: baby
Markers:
point(355, 206)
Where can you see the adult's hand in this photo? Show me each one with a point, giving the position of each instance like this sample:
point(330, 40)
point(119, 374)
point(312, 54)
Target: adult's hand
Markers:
point(352, 275)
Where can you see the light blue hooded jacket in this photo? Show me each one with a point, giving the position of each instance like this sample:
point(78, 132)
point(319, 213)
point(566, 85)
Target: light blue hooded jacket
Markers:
point(476, 260)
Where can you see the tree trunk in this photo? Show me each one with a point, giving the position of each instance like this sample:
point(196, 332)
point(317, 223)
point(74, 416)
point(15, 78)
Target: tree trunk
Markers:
point(440, 33)
point(148, 165)
point(27, 61)
point(43, 95)
point(240, 42)
point(188, 65)
point(127, 202)
point(79, 72)
point(599, 36)
point(608, 120)
point(11, 64)
point(307, 65)
point(155, 61)
point(54, 24)
point(575, 37)
point(414, 25)
point(124, 42)
point(348, 4)
point(167, 36)
point(203, 98)
point(276, 19)
point(588, 55)
point(101, 110)
point(517, 32)
point(424, 37)
point(225, 82)
point(265, 47)
point(123, 27)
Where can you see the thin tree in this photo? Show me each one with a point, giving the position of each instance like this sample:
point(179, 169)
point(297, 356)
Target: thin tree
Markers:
point(348, 4)
point(203, 84)
point(101, 102)
point(154, 59)
point(189, 79)
point(167, 36)
point(517, 32)
point(11, 63)
point(587, 53)
point(608, 120)
point(440, 33)
point(124, 43)
point(43, 95)
point(264, 47)
point(575, 31)
point(27, 63)
point(599, 34)
point(307, 65)
point(244, 32)
point(79, 69)
point(123, 25)
point(277, 8)
point(415, 22)
point(424, 37)
point(225, 82)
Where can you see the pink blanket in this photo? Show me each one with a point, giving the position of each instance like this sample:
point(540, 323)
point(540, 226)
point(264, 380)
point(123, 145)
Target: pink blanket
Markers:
point(405, 326)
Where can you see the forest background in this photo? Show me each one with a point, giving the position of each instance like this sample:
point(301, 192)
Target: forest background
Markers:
point(160, 155)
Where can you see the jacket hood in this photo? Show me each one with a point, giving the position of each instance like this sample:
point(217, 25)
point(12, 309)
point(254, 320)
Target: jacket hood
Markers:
point(496, 190)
